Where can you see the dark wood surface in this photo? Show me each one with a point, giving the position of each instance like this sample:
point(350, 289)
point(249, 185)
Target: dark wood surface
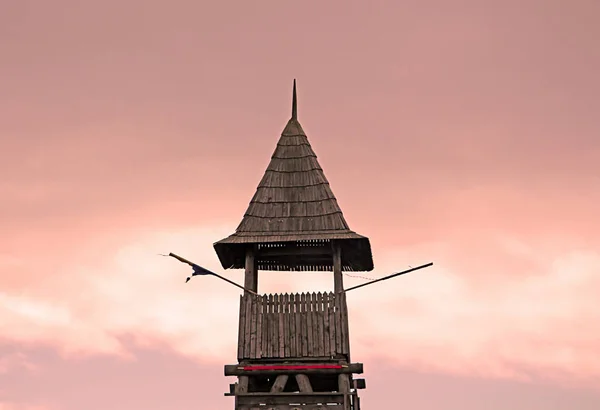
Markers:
point(238, 370)
point(300, 325)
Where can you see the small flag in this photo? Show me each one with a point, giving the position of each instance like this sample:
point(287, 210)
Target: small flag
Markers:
point(198, 270)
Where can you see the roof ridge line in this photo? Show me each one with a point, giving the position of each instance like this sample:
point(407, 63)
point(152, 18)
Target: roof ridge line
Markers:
point(293, 172)
point(294, 202)
point(299, 216)
point(304, 156)
point(292, 186)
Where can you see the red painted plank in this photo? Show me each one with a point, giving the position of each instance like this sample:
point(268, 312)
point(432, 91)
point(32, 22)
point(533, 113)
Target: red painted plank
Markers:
point(292, 367)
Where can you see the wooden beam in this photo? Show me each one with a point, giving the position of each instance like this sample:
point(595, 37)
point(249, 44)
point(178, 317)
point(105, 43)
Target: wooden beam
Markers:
point(280, 383)
point(295, 251)
point(338, 281)
point(242, 385)
point(344, 387)
point(238, 370)
point(304, 383)
point(310, 401)
point(251, 275)
point(343, 383)
point(360, 384)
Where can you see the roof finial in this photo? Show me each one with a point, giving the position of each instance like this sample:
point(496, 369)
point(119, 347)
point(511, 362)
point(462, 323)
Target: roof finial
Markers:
point(294, 103)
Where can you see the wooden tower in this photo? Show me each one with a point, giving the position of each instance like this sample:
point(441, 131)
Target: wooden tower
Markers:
point(293, 349)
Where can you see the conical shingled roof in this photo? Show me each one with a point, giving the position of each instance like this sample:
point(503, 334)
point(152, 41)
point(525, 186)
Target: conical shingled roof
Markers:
point(294, 203)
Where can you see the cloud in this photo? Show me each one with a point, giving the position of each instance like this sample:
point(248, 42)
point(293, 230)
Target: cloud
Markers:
point(21, 406)
point(502, 324)
point(501, 328)
point(161, 378)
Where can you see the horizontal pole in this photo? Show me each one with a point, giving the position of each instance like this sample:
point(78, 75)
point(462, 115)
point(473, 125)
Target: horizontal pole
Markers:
point(245, 370)
point(389, 276)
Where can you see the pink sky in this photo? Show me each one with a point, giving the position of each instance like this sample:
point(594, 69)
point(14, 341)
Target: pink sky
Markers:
point(460, 132)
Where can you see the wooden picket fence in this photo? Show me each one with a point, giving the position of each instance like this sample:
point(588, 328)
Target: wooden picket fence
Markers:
point(300, 325)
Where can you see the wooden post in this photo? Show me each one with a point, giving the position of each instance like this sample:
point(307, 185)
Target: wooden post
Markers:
point(338, 282)
point(242, 386)
point(251, 276)
point(343, 383)
point(344, 387)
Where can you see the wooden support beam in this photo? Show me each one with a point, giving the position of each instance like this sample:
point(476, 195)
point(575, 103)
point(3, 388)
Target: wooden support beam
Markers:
point(304, 383)
point(344, 387)
point(324, 251)
point(280, 383)
point(343, 383)
point(251, 275)
point(239, 370)
point(338, 281)
point(242, 385)
point(310, 401)
point(360, 384)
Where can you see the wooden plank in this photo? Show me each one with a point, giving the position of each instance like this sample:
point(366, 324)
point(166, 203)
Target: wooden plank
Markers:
point(259, 319)
point(320, 326)
point(275, 328)
point(309, 325)
point(272, 340)
point(318, 317)
point(269, 317)
point(310, 401)
point(253, 327)
point(316, 368)
point(345, 330)
point(265, 333)
point(286, 325)
point(326, 335)
point(298, 316)
point(332, 328)
point(317, 343)
point(280, 317)
point(248, 325)
point(338, 324)
point(304, 325)
point(278, 326)
point(292, 326)
point(273, 325)
point(241, 328)
point(304, 251)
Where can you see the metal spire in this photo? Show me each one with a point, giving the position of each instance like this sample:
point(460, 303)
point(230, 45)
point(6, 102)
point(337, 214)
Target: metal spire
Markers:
point(294, 103)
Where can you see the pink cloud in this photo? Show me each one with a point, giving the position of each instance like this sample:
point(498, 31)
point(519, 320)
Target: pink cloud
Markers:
point(159, 378)
point(442, 320)
point(20, 406)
